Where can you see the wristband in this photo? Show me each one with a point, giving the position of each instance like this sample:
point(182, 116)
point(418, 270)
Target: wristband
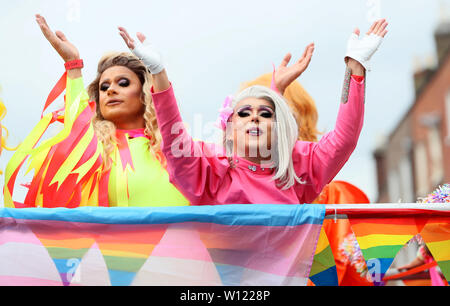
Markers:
point(75, 64)
point(358, 78)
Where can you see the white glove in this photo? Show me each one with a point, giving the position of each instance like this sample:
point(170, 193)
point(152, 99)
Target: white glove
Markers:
point(363, 49)
point(149, 56)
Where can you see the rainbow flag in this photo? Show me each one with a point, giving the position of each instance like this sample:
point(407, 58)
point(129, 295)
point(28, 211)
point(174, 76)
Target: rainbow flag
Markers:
point(380, 239)
point(207, 245)
point(323, 270)
point(436, 235)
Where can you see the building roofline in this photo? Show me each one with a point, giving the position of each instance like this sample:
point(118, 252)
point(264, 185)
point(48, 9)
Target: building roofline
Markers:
point(421, 92)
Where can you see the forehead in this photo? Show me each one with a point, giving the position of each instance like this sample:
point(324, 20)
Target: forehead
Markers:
point(117, 71)
point(255, 103)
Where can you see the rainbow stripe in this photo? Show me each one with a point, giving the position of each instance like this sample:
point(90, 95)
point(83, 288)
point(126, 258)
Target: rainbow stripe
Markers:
point(380, 240)
point(323, 270)
point(436, 234)
point(208, 245)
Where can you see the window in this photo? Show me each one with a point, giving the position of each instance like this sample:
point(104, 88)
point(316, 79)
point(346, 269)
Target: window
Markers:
point(406, 180)
point(421, 166)
point(447, 117)
point(394, 186)
point(435, 149)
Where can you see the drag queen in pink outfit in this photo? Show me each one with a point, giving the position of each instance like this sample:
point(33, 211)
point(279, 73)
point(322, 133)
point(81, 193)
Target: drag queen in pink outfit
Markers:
point(261, 162)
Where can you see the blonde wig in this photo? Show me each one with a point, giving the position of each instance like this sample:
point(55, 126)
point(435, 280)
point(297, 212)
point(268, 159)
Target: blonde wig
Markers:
point(286, 133)
point(106, 130)
point(301, 103)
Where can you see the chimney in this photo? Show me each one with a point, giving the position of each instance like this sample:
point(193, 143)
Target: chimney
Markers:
point(442, 38)
point(421, 78)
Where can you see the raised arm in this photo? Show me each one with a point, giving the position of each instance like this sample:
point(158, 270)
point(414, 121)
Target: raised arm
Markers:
point(59, 153)
point(193, 166)
point(327, 157)
point(75, 91)
point(357, 58)
point(151, 58)
point(59, 42)
point(285, 75)
point(360, 51)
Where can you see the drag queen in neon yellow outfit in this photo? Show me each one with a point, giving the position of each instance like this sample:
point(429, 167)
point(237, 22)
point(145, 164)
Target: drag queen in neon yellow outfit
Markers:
point(108, 152)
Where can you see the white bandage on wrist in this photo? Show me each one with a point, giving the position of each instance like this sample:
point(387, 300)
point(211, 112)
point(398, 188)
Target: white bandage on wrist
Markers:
point(151, 58)
point(363, 49)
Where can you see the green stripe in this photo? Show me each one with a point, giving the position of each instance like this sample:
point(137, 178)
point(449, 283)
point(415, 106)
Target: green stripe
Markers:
point(127, 264)
point(445, 268)
point(65, 253)
point(384, 251)
point(322, 261)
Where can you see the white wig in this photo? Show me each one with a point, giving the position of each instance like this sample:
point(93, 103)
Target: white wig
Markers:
point(286, 133)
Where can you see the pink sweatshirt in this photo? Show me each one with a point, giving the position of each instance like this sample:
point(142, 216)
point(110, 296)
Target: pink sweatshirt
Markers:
point(205, 176)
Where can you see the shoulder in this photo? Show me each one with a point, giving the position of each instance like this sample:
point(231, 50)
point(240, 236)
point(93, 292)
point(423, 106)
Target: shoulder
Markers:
point(302, 149)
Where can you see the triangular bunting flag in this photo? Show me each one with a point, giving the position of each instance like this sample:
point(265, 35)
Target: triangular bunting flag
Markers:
point(380, 239)
point(436, 234)
point(66, 244)
point(126, 248)
point(323, 270)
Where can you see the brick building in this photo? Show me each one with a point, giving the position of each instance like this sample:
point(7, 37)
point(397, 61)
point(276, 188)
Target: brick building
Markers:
point(415, 158)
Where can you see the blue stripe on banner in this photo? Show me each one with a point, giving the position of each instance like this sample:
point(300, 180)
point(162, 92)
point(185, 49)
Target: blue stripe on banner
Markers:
point(385, 263)
point(230, 275)
point(121, 278)
point(327, 277)
point(377, 269)
point(67, 269)
point(245, 214)
point(379, 265)
point(66, 265)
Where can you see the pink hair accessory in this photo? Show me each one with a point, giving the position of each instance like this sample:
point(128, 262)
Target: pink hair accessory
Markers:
point(224, 113)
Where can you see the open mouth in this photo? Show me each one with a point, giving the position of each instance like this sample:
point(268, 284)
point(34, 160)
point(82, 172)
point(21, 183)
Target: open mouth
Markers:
point(255, 131)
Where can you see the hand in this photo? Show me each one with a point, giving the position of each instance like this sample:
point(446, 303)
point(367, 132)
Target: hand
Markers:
point(59, 41)
point(285, 75)
point(404, 267)
point(144, 51)
point(362, 50)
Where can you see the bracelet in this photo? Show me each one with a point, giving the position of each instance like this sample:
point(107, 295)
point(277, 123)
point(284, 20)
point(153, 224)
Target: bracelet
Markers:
point(75, 64)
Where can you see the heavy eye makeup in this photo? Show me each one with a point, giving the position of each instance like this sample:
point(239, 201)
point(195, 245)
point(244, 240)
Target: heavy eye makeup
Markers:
point(266, 112)
point(244, 111)
point(263, 111)
point(123, 82)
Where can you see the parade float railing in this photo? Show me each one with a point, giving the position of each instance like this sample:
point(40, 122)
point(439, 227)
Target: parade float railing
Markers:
point(207, 245)
point(388, 210)
point(382, 230)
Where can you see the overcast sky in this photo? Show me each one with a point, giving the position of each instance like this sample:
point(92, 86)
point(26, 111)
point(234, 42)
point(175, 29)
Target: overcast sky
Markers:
point(211, 47)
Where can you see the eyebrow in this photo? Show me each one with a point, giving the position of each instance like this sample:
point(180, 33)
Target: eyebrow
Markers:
point(118, 77)
point(267, 108)
point(246, 107)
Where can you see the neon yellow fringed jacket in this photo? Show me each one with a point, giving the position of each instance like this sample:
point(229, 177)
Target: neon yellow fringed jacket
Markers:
point(68, 168)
